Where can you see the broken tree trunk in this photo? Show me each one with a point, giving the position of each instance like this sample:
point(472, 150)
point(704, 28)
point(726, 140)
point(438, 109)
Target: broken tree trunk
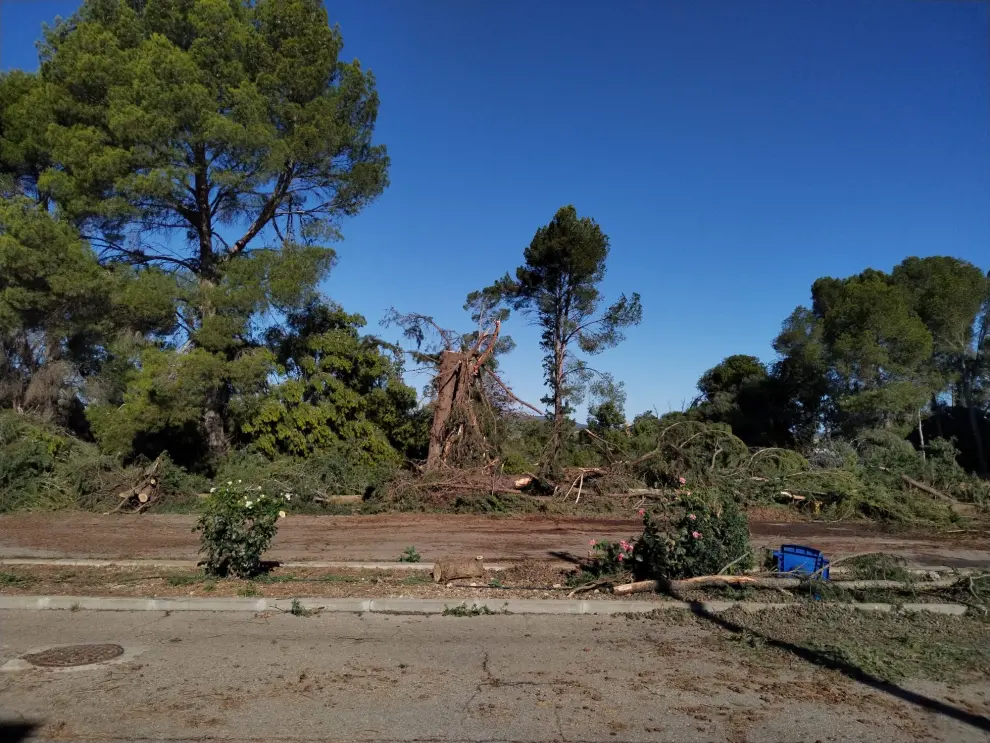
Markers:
point(455, 568)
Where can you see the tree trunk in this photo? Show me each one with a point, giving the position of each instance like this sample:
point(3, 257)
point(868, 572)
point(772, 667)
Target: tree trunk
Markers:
point(443, 404)
point(550, 468)
point(974, 423)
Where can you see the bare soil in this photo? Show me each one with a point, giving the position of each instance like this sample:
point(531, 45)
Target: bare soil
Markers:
point(384, 537)
point(525, 581)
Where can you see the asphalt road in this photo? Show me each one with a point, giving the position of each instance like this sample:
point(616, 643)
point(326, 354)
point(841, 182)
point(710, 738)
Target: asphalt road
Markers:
point(409, 678)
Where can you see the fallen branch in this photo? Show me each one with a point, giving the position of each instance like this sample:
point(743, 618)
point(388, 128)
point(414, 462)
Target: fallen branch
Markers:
point(927, 489)
point(589, 586)
point(638, 587)
point(512, 395)
point(739, 559)
point(776, 584)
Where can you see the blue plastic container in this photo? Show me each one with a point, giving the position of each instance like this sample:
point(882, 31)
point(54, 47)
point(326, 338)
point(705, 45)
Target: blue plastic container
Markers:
point(800, 560)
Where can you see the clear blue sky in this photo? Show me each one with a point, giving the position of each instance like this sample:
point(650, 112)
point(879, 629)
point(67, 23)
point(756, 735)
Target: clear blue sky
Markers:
point(734, 151)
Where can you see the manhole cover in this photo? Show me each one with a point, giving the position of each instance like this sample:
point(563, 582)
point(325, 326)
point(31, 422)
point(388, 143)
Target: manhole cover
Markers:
point(74, 655)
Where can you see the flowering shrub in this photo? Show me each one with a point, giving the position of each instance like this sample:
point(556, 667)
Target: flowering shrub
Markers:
point(608, 558)
point(237, 527)
point(709, 534)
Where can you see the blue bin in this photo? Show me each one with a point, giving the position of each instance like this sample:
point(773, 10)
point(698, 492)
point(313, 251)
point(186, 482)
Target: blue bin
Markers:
point(800, 560)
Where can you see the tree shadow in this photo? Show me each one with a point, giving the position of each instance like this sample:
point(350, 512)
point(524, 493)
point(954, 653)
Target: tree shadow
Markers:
point(822, 660)
point(568, 557)
point(15, 732)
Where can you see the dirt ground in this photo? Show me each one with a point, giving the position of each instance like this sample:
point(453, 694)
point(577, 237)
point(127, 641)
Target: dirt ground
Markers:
point(522, 581)
point(384, 537)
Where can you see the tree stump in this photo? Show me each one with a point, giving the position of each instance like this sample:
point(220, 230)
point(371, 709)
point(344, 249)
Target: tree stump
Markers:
point(455, 568)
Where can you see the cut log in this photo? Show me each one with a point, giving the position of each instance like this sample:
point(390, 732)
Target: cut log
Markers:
point(338, 499)
point(455, 568)
point(638, 587)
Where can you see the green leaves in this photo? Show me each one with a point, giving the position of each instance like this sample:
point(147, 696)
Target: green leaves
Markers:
point(558, 285)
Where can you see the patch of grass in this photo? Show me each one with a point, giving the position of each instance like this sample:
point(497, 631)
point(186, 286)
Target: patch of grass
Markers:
point(887, 646)
point(74, 608)
point(409, 554)
point(182, 579)
point(209, 586)
point(463, 610)
point(298, 610)
point(249, 590)
point(416, 579)
point(495, 583)
point(14, 580)
point(269, 578)
point(332, 578)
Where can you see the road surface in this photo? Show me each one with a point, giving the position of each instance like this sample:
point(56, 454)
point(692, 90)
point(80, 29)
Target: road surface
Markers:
point(384, 537)
point(227, 677)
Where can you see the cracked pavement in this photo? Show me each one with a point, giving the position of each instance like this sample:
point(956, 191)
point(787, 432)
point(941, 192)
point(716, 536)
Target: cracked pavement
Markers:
point(341, 677)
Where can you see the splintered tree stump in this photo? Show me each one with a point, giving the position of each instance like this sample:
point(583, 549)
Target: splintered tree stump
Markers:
point(455, 568)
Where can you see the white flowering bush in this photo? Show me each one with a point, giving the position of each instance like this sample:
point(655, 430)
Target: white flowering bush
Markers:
point(237, 527)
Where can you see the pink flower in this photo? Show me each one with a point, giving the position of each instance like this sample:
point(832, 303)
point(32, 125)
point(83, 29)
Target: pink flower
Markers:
point(621, 557)
point(642, 512)
point(592, 542)
point(692, 516)
point(681, 480)
point(687, 492)
point(696, 534)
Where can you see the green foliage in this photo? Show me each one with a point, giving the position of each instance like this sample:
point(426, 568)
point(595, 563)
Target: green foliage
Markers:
point(463, 610)
point(237, 526)
point(409, 554)
point(341, 469)
point(558, 286)
point(708, 533)
point(608, 558)
point(43, 467)
point(338, 386)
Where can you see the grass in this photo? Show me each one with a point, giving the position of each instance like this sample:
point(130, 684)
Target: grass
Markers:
point(463, 610)
point(250, 590)
point(298, 610)
point(409, 554)
point(14, 580)
point(416, 579)
point(887, 646)
point(184, 579)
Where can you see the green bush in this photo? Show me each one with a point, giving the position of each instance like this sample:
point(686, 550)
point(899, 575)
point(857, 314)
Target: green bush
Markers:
point(609, 558)
point(708, 533)
point(338, 470)
point(237, 527)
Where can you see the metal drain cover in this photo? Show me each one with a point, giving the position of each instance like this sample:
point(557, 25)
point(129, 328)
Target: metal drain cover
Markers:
point(68, 656)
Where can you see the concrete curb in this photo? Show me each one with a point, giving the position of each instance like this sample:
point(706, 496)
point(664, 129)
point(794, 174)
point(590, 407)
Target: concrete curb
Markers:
point(425, 606)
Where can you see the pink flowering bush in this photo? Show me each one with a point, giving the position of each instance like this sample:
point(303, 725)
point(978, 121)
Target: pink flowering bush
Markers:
point(707, 534)
point(608, 558)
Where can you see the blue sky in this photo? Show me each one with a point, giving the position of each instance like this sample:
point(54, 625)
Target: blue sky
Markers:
point(733, 150)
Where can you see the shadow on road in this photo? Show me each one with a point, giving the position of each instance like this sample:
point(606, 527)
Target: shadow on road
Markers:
point(814, 657)
point(15, 732)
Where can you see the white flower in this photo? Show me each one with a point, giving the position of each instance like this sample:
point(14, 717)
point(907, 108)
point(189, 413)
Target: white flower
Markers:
point(281, 514)
point(288, 496)
point(229, 482)
point(239, 482)
point(213, 490)
point(248, 503)
point(261, 497)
